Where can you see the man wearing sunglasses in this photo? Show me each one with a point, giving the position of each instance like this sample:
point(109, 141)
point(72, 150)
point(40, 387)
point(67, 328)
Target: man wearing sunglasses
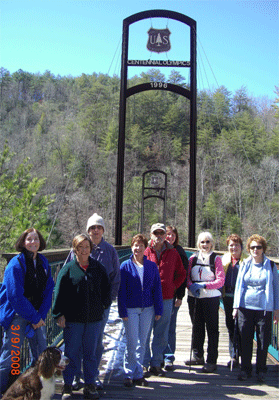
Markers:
point(172, 274)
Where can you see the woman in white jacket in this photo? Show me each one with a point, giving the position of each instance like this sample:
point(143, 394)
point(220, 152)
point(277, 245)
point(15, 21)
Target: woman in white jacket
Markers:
point(204, 280)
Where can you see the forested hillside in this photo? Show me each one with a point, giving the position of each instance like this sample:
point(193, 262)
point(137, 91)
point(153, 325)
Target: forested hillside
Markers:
point(58, 157)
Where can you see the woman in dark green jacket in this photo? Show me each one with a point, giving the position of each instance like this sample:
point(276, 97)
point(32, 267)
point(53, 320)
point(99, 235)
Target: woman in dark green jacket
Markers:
point(82, 293)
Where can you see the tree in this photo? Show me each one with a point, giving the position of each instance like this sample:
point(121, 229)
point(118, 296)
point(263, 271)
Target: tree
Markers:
point(22, 206)
point(241, 101)
point(67, 128)
point(176, 78)
point(5, 79)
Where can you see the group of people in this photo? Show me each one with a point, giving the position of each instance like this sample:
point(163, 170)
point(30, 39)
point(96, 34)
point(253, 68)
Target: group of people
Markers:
point(250, 295)
point(85, 287)
point(149, 287)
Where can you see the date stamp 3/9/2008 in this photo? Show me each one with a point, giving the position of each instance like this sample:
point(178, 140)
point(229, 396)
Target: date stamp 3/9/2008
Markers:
point(15, 360)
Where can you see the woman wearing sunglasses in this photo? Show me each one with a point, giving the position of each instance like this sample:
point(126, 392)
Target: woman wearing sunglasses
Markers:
point(256, 296)
point(204, 281)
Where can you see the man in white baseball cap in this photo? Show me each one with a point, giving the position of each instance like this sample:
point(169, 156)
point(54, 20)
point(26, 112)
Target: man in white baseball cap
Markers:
point(172, 275)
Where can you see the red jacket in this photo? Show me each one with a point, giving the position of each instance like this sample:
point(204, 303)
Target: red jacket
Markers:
point(172, 272)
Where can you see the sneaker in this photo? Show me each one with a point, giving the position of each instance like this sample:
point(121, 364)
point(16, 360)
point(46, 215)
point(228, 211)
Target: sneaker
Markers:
point(169, 366)
point(140, 382)
point(77, 384)
point(67, 392)
point(209, 368)
point(98, 384)
point(128, 382)
point(157, 371)
point(195, 361)
point(261, 377)
point(146, 373)
point(89, 392)
point(243, 376)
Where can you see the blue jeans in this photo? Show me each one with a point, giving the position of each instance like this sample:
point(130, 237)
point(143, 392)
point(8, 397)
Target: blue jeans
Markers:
point(160, 337)
point(170, 349)
point(12, 348)
point(80, 343)
point(38, 343)
point(100, 346)
point(137, 329)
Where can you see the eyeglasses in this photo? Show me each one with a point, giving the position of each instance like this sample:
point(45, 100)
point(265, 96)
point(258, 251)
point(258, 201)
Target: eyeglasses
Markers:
point(161, 233)
point(205, 241)
point(256, 247)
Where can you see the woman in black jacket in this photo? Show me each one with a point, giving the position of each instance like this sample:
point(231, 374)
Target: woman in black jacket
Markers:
point(82, 293)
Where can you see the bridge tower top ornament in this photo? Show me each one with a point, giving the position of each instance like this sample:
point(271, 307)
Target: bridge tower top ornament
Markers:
point(158, 40)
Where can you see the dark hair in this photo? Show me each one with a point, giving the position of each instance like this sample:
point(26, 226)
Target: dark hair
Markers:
point(20, 241)
point(173, 228)
point(139, 238)
point(234, 238)
point(78, 239)
point(258, 239)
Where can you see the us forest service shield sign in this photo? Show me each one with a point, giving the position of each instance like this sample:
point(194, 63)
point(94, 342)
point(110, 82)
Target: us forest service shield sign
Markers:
point(158, 40)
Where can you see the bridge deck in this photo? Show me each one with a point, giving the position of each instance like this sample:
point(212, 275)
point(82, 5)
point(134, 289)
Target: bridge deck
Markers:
point(180, 384)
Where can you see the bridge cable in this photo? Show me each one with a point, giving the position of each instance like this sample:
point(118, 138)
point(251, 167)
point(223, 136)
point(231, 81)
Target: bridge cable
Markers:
point(246, 155)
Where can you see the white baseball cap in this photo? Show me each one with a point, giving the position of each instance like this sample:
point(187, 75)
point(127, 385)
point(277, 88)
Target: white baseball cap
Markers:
point(154, 227)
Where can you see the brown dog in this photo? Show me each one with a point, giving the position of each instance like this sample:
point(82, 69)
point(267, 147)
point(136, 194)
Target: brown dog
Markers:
point(38, 382)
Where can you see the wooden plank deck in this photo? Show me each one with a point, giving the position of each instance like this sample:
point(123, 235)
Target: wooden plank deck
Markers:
point(180, 384)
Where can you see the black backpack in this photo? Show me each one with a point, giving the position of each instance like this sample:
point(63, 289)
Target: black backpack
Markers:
point(211, 261)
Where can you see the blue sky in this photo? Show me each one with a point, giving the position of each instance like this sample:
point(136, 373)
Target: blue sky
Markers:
point(237, 40)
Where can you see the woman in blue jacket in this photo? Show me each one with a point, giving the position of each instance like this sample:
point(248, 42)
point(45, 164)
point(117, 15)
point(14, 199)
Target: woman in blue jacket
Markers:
point(25, 298)
point(256, 296)
point(139, 299)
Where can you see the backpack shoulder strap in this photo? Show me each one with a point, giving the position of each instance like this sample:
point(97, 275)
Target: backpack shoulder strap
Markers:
point(212, 261)
point(194, 260)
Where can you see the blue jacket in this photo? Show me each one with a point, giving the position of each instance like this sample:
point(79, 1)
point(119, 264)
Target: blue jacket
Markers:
point(12, 300)
point(271, 288)
point(131, 293)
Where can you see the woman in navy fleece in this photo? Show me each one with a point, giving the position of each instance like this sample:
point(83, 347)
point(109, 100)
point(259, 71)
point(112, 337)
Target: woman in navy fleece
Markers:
point(139, 298)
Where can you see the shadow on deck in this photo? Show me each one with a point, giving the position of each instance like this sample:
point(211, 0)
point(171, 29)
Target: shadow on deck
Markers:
point(179, 384)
